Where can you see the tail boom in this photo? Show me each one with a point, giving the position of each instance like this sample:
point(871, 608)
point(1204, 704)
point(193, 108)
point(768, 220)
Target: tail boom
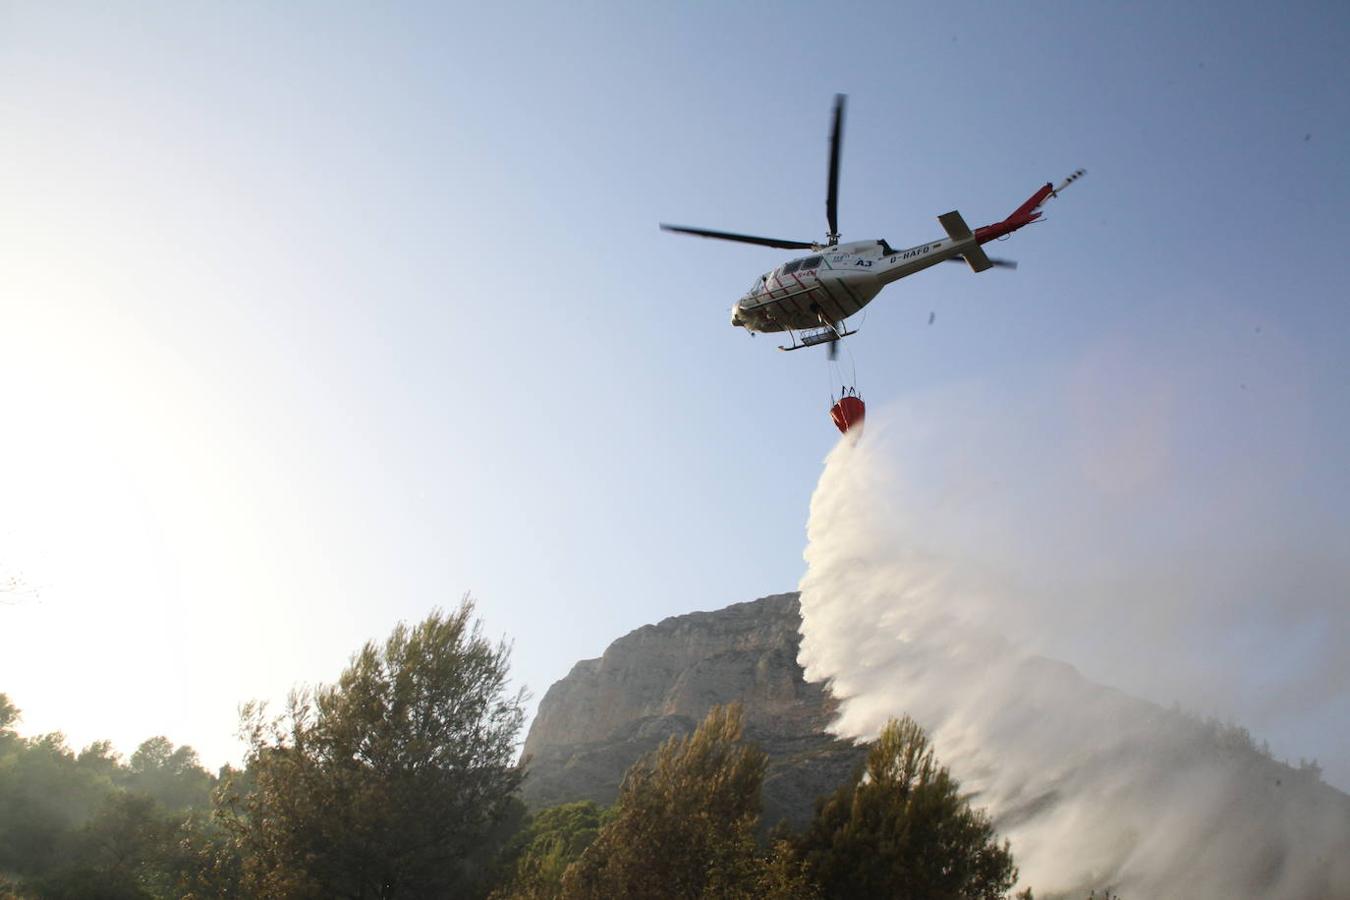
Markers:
point(1026, 213)
point(962, 243)
point(961, 236)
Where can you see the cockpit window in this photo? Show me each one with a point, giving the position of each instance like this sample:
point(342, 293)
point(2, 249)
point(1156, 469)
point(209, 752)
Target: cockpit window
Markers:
point(792, 267)
point(810, 262)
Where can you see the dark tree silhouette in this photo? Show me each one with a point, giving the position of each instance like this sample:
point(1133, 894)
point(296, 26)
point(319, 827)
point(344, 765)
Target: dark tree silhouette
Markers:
point(393, 782)
point(902, 830)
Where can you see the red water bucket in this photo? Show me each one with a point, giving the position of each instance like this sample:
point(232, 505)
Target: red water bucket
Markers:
point(848, 413)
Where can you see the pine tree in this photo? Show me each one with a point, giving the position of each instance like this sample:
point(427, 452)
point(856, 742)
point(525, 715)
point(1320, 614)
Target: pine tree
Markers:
point(398, 781)
point(684, 823)
point(901, 829)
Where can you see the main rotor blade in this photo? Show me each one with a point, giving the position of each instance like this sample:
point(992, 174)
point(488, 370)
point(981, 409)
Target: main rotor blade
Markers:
point(832, 196)
point(998, 263)
point(743, 238)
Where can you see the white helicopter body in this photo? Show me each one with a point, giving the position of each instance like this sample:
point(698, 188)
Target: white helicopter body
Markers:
point(835, 283)
point(822, 290)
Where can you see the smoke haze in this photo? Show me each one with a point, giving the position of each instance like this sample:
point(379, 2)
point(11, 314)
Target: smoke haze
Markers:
point(979, 549)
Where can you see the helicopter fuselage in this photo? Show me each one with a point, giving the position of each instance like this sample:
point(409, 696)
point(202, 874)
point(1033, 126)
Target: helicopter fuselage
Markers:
point(819, 292)
point(833, 284)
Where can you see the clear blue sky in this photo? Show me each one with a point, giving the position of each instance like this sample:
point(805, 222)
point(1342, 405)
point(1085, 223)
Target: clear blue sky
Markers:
point(315, 316)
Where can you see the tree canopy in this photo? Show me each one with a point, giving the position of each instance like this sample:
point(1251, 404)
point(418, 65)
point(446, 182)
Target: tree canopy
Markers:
point(684, 824)
point(87, 824)
point(396, 781)
point(539, 855)
point(399, 780)
point(902, 830)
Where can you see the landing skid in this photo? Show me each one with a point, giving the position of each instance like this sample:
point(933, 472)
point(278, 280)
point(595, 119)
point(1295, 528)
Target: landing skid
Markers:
point(814, 338)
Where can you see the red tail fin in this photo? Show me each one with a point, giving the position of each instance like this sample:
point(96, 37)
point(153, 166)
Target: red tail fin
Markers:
point(1026, 213)
point(1023, 215)
point(1027, 210)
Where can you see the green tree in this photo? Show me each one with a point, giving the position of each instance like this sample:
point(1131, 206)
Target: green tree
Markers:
point(88, 826)
point(203, 862)
point(684, 825)
point(116, 855)
point(9, 714)
point(45, 795)
point(171, 775)
point(102, 761)
point(902, 830)
point(393, 782)
point(552, 839)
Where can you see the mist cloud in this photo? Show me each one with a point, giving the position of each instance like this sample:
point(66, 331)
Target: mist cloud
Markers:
point(978, 541)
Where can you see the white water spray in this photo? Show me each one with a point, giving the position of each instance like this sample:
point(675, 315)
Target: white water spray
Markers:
point(949, 566)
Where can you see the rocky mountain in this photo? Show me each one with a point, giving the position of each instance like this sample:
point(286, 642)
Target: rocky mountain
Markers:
point(661, 680)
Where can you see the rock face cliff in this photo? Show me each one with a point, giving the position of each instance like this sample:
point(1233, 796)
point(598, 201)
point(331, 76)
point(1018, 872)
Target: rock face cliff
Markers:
point(661, 680)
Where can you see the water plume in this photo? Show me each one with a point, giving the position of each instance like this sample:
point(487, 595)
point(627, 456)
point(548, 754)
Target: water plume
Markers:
point(1038, 594)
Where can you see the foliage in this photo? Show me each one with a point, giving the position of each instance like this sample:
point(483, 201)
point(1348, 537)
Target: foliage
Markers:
point(45, 796)
point(116, 854)
point(902, 830)
point(9, 714)
point(87, 825)
point(201, 862)
point(399, 781)
point(539, 854)
point(684, 824)
point(173, 776)
point(396, 781)
point(785, 876)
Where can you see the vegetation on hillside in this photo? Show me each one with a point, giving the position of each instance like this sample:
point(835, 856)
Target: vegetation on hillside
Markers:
point(534, 863)
point(399, 780)
point(89, 824)
point(684, 825)
point(903, 822)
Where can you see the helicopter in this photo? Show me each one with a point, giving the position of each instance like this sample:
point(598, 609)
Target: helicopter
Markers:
point(811, 297)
